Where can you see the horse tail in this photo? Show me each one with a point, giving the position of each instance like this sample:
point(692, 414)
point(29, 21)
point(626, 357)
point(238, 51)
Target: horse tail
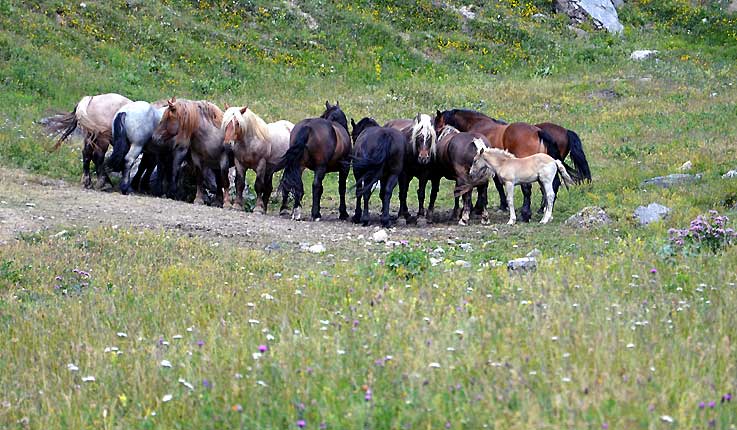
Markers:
point(564, 174)
point(551, 147)
point(291, 180)
point(370, 166)
point(65, 124)
point(578, 156)
point(120, 142)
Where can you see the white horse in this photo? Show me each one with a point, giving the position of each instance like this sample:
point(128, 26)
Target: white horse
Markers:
point(133, 125)
point(511, 171)
point(258, 146)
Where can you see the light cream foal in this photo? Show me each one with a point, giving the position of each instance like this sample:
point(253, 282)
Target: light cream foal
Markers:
point(511, 171)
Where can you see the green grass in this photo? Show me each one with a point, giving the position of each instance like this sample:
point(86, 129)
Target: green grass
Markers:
point(593, 291)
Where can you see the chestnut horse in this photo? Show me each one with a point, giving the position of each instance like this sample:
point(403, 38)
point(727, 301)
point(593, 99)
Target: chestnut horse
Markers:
point(519, 138)
point(378, 155)
point(321, 145)
point(94, 117)
point(258, 146)
point(455, 154)
point(421, 140)
point(192, 128)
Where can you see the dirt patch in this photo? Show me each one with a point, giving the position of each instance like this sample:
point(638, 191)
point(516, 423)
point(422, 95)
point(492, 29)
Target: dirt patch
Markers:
point(31, 204)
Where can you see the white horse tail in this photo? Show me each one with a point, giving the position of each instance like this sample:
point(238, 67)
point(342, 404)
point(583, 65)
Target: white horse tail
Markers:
point(564, 173)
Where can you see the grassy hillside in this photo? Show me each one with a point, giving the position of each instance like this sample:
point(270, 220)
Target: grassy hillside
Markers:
point(612, 331)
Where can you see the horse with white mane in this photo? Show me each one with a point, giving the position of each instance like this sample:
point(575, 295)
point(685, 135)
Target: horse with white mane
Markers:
point(258, 146)
point(511, 171)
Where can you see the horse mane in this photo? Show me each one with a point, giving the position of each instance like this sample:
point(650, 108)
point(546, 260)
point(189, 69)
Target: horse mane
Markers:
point(246, 120)
point(335, 114)
point(447, 130)
point(367, 120)
point(502, 152)
point(189, 114)
point(425, 128)
point(476, 113)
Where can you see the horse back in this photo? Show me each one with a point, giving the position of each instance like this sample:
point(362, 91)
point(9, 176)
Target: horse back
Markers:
point(400, 124)
point(521, 139)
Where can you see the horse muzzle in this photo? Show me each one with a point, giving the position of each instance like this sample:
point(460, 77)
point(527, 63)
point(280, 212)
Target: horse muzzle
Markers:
point(423, 159)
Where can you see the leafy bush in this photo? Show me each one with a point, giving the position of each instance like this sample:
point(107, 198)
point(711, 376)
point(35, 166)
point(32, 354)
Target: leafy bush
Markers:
point(406, 261)
point(706, 233)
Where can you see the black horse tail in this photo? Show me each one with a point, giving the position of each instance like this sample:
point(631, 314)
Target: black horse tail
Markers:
point(120, 142)
point(551, 147)
point(291, 180)
point(370, 166)
point(65, 124)
point(578, 157)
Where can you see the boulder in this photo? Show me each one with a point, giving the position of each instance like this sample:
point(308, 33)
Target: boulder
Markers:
point(524, 264)
point(642, 54)
point(380, 236)
point(685, 167)
point(672, 180)
point(730, 175)
point(601, 12)
point(588, 217)
point(651, 213)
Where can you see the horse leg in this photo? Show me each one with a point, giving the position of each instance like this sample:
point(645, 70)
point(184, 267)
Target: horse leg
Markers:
point(358, 212)
point(98, 157)
point(86, 158)
point(178, 156)
point(421, 187)
point(268, 187)
point(224, 167)
point(298, 194)
point(467, 203)
point(389, 185)
point(259, 187)
point(510, 202)
point(526, 203)
point(130, 159)
point(456, 209)
point(317, 194)
point(284, 209)
point(342, 179)
point(434, 186)
point(483, 193)
point(403, 188)
point(502, 197)
point(549, 194)
point(481, 202)
point(365, 218)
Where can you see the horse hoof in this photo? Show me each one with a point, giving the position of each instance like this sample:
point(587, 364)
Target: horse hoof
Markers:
point(284, 212)
point(198, 201)
point(463, 222)
point(343, 216)
point(297, 214)
point(316, 219)
point(510, 222)
point(401, 221)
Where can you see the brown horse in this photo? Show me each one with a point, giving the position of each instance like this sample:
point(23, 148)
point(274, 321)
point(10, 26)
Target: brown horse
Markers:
point(569, 142)
point(519, 138)
point(94, 117)
point(455, 154)
point(258, 146)
point(321, 145)
point(421, 139)
point(378, 155)
point(192, 128)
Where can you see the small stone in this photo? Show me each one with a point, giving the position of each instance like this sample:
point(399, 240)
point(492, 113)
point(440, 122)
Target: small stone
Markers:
point(685, 167)
point(380, 236)
point(588, 217)
point(642, 54)
point(462, 263)
point(524, 264)
point(317, 248)
point(672, 180)
point(651, 213)
point(730, 175)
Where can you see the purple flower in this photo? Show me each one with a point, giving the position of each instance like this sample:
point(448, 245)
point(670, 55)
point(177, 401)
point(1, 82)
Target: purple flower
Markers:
point(368, 396)
point(651, 407)
point(263, 348)
point(712, 404)
point(58, 278)
point(702, 405)
point(653, 270)
point(323, 426)
point(200, 343)
point(301, 423)
point(447, 424)
point(604, 426)
point(206, 383)
point(727, 397)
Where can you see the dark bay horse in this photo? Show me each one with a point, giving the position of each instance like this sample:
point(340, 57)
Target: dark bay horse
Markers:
point(94, 117)
point(569, 142)
point(378, 155)
point(421, 140)
point(192, 128)
point(455, 155)
point(321, 145)
point(519, 138)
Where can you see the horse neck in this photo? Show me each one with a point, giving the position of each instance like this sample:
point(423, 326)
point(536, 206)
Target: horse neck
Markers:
point(256, 128)
point(494, 160)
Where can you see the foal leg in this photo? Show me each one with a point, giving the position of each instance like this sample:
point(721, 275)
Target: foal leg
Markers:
point(342, 179)
point(317, 193)
point(483, 193)
point(527, 194)
point(510, 202)
point(549, 195)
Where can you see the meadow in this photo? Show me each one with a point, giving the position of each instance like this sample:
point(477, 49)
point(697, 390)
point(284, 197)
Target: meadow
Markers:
point(115, 327)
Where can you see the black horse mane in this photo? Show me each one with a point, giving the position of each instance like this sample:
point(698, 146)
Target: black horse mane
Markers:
point(475, 112)
point(335, 114)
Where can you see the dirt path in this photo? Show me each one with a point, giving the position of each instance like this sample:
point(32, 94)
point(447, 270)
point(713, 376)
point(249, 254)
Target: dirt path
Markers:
point(30, 203)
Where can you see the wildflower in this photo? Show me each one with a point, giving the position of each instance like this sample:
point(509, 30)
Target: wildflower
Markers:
point(165, 363)
point(667, 419)
point(88, 378)
point(301, 423)
point(727, 397)
point(604, 426)
point(237, 408)
point(206, 383)
point(72, 367)
point(653, 271)
point(368, 396)
point(186, 384)
point(200, 343)
point(263, 348)
point(712, 404)
point(166, 398)
point(702, 405)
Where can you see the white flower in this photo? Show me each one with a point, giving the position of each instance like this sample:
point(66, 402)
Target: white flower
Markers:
point(177, 336)
point(189, 329)
point(121, 334)
point(667, 419)
point(435, 365)
point(88, 378)
point(186, 384)
point(72, 367)
point(165, 363)
point(261, 383)
point(630, 345)
point(341, 352)
point(566, 379)
point(252, 321)
point(166, 398)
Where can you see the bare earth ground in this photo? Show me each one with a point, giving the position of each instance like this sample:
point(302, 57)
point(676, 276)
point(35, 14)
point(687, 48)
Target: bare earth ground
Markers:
point(31, 204)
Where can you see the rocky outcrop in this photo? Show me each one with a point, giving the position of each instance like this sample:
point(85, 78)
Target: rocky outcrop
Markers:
point(602, 13)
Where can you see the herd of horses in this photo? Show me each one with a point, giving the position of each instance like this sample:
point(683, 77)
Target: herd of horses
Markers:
point(461, 145)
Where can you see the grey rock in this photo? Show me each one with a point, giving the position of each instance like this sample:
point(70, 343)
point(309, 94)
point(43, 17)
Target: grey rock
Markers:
point(535, 253)
point(642, 54)
point(651, 213)
point(524, 264)
point(588, 217)
point(731, 174)
point(618, 3)
point(601, 12)
point(672, 180)
point(732, 8)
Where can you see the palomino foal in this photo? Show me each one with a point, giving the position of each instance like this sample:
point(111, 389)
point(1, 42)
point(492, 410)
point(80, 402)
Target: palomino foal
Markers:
point(511, 171)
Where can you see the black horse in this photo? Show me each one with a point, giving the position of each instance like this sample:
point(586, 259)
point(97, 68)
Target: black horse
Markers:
point(321, 145)
point(378, 155)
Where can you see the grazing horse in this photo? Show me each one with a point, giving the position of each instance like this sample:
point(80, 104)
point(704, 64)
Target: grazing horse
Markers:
point(192, 128)
point(421, 139)
point(258, 146)
point(94, 117)
point(378, 155)
point(133, 126)
point(511, 170)
point(519, 138)
point(455, 154)
point(321, 145)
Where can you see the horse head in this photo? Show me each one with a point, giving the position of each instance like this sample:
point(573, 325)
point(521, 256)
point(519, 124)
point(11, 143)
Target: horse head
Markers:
point(335, 114)
point(480, 168)
point(232, 123)
point(423, 138)
point(362, 125)
point(439, 121)
point(169, 123)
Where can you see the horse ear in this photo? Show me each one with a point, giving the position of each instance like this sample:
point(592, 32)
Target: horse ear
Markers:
point(337, 103)
point(353, 123)
point(244, 109)
point(171, 102)
point(327, 104)
point(437, 113)
point(479, 145)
